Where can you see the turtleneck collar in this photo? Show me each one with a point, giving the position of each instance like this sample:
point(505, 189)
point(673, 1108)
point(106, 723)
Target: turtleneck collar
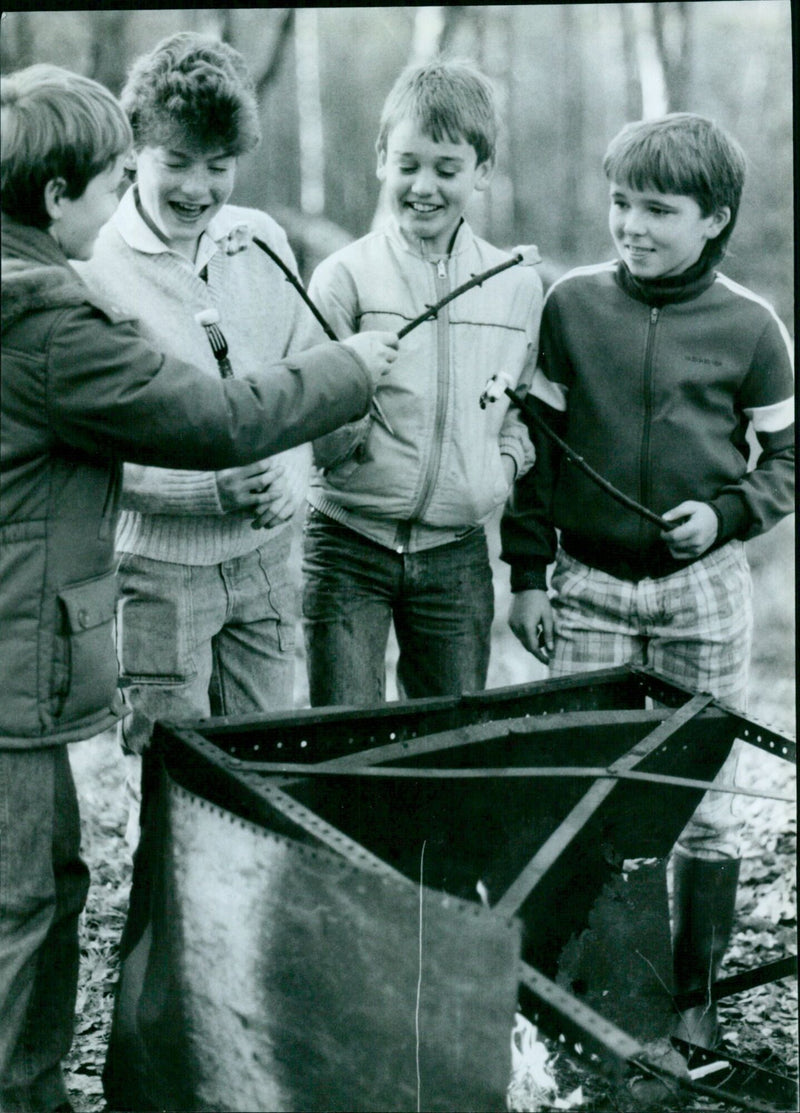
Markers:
point(672, 289)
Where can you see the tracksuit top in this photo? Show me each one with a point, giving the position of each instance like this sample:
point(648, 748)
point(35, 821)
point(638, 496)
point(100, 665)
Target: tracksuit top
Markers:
point(659, 399)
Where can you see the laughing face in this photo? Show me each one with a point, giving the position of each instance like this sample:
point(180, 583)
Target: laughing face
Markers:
point(660, 234)
point(181, 188)
point(429, 183)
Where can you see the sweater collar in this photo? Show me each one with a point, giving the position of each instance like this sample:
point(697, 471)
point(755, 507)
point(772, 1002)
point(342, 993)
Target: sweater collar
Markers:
point(672, 289)
point(139, 235)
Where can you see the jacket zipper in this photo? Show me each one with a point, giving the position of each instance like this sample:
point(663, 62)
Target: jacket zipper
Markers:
point(442, 288)
point(644, 463)
point(442, 391)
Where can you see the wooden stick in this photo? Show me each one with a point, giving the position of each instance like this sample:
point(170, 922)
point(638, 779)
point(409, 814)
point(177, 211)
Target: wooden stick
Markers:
point(476, 280)
point(298, 285)
point(609, 488)
point(429, 314)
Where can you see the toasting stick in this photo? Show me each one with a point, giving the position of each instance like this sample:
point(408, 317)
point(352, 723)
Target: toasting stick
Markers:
point(298, 285)
point(530, 413)
point(526, 256)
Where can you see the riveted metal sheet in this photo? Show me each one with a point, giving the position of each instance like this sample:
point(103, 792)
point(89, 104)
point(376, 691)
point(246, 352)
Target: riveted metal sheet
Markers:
point(273, 976)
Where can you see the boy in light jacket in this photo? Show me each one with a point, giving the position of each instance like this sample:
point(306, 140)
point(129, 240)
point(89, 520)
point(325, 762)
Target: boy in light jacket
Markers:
point(396, 530)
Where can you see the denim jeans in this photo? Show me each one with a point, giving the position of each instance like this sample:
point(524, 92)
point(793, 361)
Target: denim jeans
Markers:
point(441, 601)
point(43, 887)
point(197, 640)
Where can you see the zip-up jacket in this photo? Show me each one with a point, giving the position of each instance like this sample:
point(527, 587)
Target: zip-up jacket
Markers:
point(425, 465)
point(83, 391)
point(658, 400)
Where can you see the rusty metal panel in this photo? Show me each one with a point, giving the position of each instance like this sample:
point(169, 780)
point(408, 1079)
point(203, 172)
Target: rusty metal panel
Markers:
point(271, 958)
point(621, 964)
point(275, 977)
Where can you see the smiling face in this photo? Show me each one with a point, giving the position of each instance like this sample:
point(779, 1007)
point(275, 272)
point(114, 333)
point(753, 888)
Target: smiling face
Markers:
point(429, 183)
point(660, 234)
point(181, 188)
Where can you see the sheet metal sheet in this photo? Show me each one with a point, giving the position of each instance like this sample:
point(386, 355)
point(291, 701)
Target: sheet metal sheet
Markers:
point(271, 976)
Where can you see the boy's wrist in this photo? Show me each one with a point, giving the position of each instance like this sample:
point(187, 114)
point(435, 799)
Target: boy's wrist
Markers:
point(528, 579)
point(732, 514)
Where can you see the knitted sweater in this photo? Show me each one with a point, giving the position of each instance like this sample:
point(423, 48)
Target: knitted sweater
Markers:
point(175, 515)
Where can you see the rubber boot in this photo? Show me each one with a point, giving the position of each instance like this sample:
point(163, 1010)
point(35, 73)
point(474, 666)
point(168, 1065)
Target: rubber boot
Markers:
point(703, 906)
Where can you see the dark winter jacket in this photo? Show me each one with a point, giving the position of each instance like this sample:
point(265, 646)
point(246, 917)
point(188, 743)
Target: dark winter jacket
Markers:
point(82, 391)
point(657, 399)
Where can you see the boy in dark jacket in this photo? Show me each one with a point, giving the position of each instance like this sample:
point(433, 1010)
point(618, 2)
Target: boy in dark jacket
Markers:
point(652, 368)
point(82, 391)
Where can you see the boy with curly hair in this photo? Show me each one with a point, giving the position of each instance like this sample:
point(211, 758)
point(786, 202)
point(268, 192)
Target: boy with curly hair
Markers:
point(207, 613)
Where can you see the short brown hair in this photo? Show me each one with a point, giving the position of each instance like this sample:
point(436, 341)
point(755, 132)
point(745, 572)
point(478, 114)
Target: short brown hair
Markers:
point(682, 153)
point(195, 87)
point(54, 124)
point(449, 99)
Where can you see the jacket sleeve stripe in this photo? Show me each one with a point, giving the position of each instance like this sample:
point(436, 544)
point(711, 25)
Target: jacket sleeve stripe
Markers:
point(771, 419)
point(553, 394)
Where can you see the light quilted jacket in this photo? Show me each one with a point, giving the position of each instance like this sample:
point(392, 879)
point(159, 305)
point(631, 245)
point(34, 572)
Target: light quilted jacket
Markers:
point(427, 459)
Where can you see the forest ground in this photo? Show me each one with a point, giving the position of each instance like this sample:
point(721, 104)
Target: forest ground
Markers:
point(759, 1026)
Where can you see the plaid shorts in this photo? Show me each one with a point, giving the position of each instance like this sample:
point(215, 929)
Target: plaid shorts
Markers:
point(694, 627)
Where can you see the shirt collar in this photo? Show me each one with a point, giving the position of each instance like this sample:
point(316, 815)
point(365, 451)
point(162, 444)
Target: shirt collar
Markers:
point(138, 235)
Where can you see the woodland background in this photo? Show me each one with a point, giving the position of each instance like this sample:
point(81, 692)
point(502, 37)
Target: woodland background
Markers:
point(568, 76)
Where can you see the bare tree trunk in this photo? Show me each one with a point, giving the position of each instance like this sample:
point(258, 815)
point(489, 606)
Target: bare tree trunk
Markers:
point(675, 57)
point(572, 148)
point(108, 49)
point(16, 41)
point(309, 113)
point(633, 88)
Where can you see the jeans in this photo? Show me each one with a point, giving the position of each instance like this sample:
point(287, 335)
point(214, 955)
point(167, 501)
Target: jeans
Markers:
point(441, 601)
point(43, 887)
point(197, 640)
point(694, 627)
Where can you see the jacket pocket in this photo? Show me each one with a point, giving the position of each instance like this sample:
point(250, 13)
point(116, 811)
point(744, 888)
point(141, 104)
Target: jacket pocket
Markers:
point(488, 488)
point(84, 658)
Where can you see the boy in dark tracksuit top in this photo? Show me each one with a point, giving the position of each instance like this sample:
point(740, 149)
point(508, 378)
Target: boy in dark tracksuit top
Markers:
point(652, 368)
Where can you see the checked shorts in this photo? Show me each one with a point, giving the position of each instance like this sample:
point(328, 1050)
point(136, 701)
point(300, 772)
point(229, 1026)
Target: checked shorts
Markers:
point(693, 627)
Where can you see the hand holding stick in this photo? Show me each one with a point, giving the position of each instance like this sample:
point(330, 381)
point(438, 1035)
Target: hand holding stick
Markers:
point(609, 488)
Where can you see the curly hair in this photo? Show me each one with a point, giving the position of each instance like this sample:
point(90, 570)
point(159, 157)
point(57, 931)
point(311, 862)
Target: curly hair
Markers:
point(449, 99)
point(196, 88)
point(55, 124)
